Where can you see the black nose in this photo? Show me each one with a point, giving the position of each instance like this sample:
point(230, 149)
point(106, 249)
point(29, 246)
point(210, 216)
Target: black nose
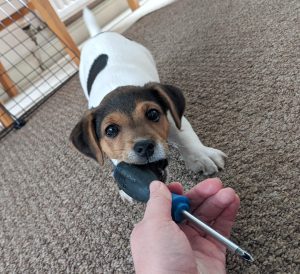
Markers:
point(144, 148)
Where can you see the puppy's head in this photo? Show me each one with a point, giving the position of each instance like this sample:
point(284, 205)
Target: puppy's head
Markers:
point(130, 124)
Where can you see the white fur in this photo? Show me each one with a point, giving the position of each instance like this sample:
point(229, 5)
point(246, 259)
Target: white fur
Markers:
point(130, 63)
point(90, 22)
point(125, 197)
point(197, 157)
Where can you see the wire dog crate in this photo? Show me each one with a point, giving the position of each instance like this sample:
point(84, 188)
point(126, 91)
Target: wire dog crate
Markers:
point(37, 57)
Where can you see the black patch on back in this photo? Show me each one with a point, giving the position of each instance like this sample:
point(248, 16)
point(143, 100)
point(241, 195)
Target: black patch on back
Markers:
point(98, 65)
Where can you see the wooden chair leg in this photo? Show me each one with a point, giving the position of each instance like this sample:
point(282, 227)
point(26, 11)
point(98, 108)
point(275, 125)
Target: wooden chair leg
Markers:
point(5, 118)
point(50, 17)
point(133, 4)
point(7, 83)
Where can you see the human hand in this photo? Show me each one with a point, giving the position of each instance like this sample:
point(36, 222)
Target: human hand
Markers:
point(161, 246)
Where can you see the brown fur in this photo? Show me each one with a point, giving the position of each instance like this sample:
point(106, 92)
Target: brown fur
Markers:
point(133, 128)
point(85, 131)
point(169, 102)
point(127, 107)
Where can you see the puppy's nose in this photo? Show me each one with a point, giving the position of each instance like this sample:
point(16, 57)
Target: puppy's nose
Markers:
point(144, 148)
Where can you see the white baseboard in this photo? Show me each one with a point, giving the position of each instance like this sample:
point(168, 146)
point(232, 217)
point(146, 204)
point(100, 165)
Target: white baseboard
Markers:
point(105, 12)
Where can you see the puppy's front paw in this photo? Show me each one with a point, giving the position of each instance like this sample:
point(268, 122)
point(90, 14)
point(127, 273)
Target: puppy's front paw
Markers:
point(125, 197)
point(206, 159)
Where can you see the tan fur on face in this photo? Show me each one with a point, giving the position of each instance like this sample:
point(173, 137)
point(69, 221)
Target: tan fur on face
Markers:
point(134, 127)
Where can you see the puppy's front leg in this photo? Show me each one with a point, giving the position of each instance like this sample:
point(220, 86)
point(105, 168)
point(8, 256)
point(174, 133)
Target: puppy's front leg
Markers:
point(197, 157)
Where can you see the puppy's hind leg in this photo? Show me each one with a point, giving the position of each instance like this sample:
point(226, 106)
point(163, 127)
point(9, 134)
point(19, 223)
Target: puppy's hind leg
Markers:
point(197, 157)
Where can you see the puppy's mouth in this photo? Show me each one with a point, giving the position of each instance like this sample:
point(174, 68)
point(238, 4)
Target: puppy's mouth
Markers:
point(158, 168)
point(135, 180)
point(157, 156)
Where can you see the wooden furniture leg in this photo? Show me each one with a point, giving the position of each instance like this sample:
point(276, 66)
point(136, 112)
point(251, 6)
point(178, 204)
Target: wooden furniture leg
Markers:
point(50, 17)
point(13, 17)
point(133, 4)
point(7, 83)
point(5, 118)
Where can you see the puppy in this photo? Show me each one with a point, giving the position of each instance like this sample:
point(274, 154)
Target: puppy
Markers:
point(132, 116)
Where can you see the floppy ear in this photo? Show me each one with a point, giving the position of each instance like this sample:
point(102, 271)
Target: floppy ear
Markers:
point(84, 138)
point(173, 98)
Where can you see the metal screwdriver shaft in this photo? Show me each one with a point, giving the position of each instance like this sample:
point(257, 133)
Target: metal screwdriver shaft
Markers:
point(220, 238)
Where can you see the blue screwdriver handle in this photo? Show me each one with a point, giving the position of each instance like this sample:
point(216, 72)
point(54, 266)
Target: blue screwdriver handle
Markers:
point(179, 203)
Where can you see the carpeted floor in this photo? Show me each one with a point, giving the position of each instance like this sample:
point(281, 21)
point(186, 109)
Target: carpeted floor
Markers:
point(238, 63)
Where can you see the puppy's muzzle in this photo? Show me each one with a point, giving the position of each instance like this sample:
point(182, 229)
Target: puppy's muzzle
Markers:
point(144, 148)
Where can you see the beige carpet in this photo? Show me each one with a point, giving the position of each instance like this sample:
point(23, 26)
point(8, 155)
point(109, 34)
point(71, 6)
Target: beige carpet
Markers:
point(238, 63)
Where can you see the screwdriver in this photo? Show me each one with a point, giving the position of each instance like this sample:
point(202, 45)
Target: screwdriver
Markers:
point(135, 180)
point(180, 211)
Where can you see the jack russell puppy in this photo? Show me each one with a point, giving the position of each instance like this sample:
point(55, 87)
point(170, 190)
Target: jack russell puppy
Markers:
point(132, 116)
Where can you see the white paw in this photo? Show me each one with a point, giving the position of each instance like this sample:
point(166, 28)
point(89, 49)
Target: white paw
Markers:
point(125, 197)
point(206, 159)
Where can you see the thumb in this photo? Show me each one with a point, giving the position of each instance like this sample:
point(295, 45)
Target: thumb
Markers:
point(160, 202)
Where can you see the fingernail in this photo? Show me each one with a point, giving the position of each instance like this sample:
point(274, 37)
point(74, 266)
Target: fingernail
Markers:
point(159, 189)
point(155, 186)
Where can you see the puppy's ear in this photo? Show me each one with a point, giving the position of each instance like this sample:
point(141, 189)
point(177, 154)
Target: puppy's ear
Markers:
point(173, 98)
point(84, 138)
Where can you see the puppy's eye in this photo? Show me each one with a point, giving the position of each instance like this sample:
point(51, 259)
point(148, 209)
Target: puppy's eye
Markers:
point(153, 115)
point(112, 131)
